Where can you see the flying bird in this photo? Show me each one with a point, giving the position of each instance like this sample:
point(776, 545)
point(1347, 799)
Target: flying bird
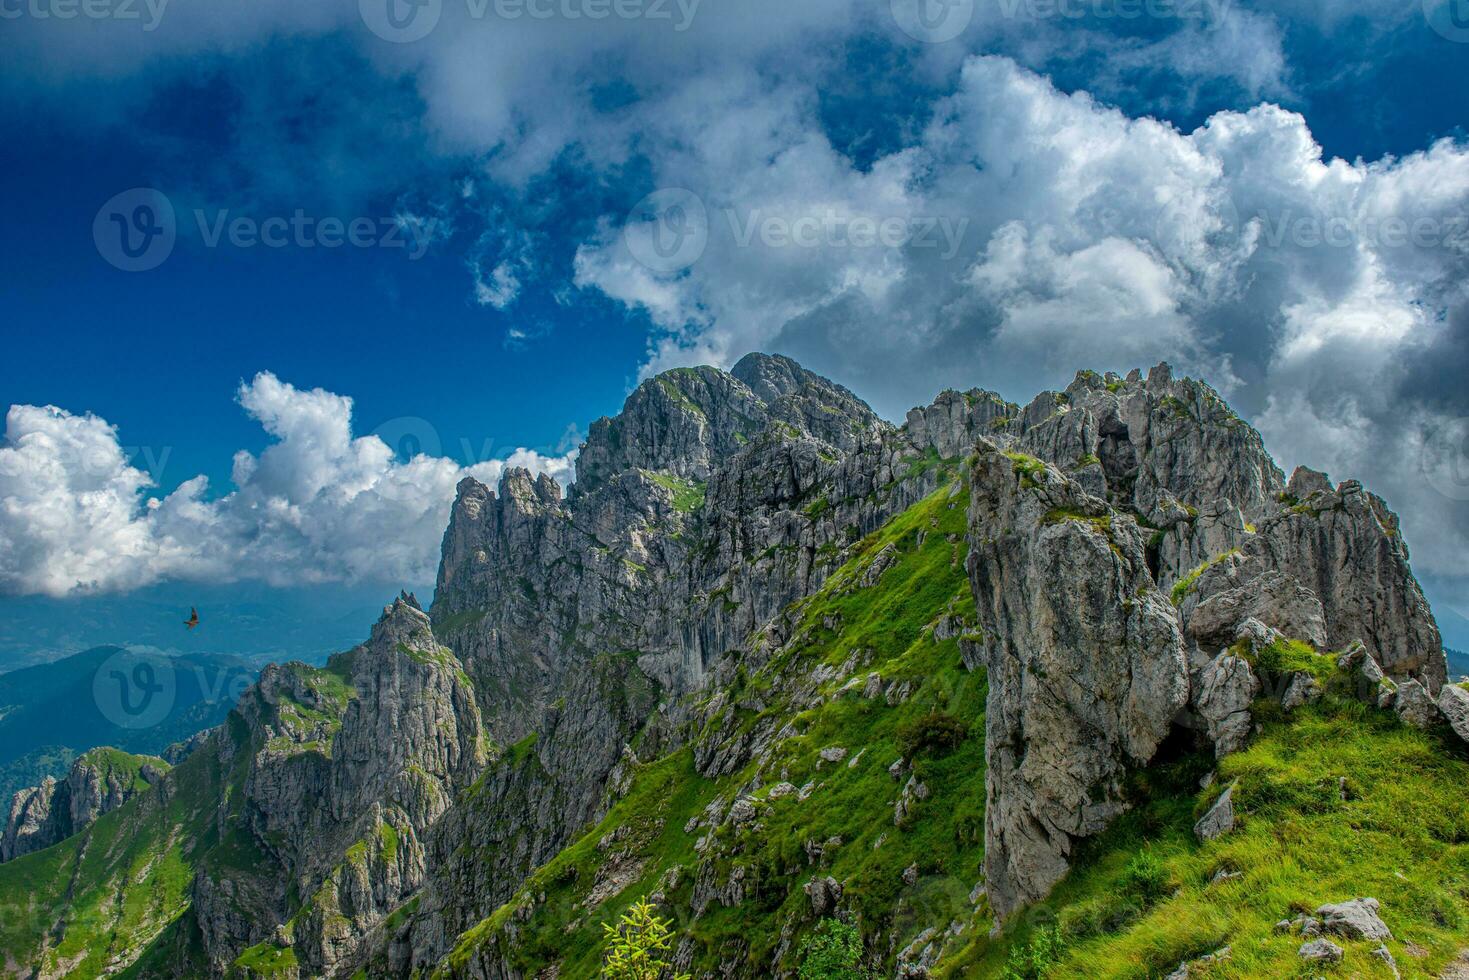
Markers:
point(193, 619)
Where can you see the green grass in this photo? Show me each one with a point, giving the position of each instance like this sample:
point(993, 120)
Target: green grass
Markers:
point(1401, 836)
point(101, 896)
point(688, 495)
point(1185, 585)
point(851, 799)
point(1284, 657)
point(1102, 522)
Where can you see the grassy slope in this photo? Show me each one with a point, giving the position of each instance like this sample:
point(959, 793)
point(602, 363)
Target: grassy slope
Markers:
point(851, 801)
point(1141, 900)
point(110, 890)
point(116, 892)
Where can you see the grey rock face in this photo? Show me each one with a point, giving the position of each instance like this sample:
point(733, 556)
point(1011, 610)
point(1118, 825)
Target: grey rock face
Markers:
point(699, 515)
point(1355, 919)
point(1453, 701)
point(1345, 548)
point(98, 782)
point(1321, 951)
point(348, 770)
point(1414, 706)
point(1086, 666)
point(825, 894)
point(1224, 692)
point(34, 821)
point(1220, 818)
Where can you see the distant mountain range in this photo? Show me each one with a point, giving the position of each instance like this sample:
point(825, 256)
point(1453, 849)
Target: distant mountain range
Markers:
point(1458, 662)
point(137, 701)
point(252, 622)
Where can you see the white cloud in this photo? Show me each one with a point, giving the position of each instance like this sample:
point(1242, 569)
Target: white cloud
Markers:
point(318, 504)
point(1314, 290)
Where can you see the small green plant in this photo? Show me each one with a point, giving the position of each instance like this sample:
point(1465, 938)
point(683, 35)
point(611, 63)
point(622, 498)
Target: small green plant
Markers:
point(935, 733)
point(636, 946)
point(833, 951)
point(1146, 878)
point(1034, 960)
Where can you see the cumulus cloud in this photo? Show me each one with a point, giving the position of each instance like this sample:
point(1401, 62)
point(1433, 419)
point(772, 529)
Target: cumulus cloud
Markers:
point(317, 504)
point(1326, 297)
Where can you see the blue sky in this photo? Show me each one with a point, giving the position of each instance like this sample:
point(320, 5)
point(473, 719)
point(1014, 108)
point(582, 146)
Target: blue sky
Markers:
point(1121, 191)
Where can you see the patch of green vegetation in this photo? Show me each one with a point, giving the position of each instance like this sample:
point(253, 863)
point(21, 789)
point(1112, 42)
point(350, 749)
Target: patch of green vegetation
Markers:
point(677, 395)
point(457, 622)
point(817, 507)
point(941, 724)
point(930, 461)
point(1284, 657)
point(1102, 522)
point(1142, 897)
point(1189, 582)
point(115, 765)
point(268, 960)
point(1028, 467)
point(1090, 459)
point(688, 495)
point(1176, 406)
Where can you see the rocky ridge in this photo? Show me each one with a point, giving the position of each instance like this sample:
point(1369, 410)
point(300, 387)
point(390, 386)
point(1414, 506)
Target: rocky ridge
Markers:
point(1139, 572)
point(98, 782)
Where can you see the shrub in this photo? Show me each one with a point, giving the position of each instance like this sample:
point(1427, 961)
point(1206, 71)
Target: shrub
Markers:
point(1035, 959)
point(1146, 878)
point(636, 946)
point(833, 951)
point(936, 733)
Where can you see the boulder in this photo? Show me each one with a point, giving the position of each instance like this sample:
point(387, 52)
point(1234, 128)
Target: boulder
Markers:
point(1355, 919)
point(1453, 701)
point(1220, 818)
point(1414, 706)
point(1321, 951)
point(1225, 690)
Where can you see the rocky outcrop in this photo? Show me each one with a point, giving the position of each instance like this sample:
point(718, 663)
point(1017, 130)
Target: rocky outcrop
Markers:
point(1133, 551)
point(1086, 665)
point(1219, 819)
point(1330, 568)
point(346, 771)
point(1453, 702)
point(1089, 663)
point(713, 502)
point(98, 782)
